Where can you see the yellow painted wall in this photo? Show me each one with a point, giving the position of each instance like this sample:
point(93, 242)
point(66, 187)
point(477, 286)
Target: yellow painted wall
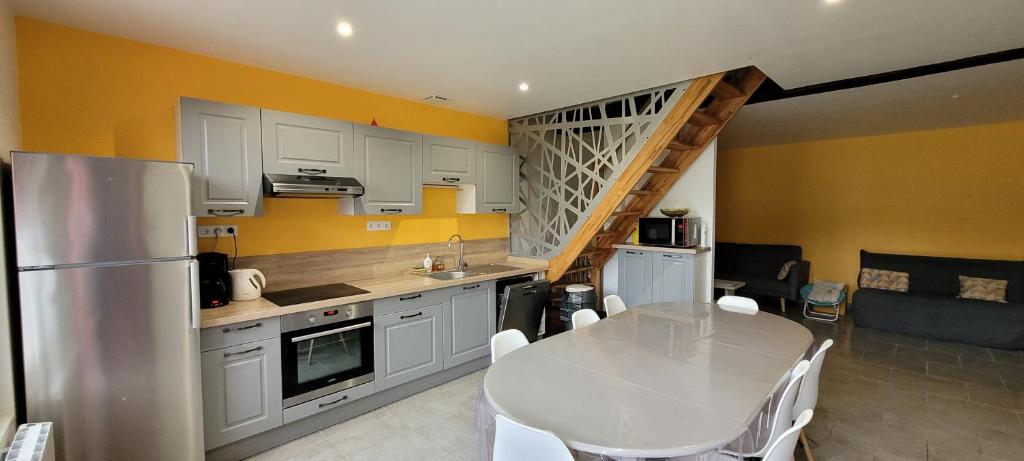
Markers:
point(88, 93)
point(952, 192)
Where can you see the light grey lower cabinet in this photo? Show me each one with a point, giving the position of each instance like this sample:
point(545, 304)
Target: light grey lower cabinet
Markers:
point(635, 268)
point(327, 402)
point(469, 322)
point(241, 391)
point(407, 346)
point(673, 278)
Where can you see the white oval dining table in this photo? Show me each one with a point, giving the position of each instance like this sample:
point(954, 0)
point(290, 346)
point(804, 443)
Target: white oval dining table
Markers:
point(657, 381)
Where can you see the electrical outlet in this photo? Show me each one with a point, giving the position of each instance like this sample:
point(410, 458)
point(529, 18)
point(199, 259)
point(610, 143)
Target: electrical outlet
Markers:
point(376, 226)
point(209, 232)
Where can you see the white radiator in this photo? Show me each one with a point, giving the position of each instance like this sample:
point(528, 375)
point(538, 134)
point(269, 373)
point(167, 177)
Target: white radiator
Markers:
point(32, 442)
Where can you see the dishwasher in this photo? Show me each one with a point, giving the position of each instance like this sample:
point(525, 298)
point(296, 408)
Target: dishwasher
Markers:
point(521, 304)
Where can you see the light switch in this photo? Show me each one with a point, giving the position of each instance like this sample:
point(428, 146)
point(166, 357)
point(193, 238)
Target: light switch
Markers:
point(377, 226)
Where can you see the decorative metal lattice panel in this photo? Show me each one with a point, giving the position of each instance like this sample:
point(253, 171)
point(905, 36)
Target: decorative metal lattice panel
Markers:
point(568, 157)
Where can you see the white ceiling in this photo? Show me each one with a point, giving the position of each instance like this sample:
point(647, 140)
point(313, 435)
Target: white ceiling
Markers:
point(986, 94)
point(570, 51)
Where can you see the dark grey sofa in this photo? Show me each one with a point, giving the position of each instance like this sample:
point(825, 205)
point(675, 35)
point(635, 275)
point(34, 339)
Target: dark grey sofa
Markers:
point(931, 308)
point(758, 266)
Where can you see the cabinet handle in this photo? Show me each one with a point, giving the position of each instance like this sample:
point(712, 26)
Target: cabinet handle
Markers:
point(632, 252)
point(451, 179)
point(410, 297)
point(255, 325)
point(411, 315)
point(671, 256)
point(472, 287)
point(390, 210)
point(225, 212)
point(327, 404)
point(312, 171)
point(255, 349)
point(499, 210)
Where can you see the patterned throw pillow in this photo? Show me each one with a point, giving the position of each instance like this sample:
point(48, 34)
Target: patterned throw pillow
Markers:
point(884, 280)
point(983, 289)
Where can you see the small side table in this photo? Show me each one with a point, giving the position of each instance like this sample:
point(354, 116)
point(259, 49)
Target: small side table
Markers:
point(730, 286)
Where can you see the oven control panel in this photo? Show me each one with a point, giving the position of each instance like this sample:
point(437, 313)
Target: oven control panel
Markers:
point(326, 316)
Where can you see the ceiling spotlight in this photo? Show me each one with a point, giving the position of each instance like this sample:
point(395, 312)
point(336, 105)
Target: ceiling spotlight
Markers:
point(523, 86)
point(832, 1)
point(344, 29)
point(956, 96)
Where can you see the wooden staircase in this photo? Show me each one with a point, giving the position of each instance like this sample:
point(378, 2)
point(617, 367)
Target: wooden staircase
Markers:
point(707, 105)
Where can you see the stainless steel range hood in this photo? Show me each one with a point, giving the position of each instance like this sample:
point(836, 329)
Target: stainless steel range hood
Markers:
point(287, 185)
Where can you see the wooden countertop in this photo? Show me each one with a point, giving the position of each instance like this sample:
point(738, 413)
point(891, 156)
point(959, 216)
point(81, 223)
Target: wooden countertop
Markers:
point(682, 251)
point(383, 287)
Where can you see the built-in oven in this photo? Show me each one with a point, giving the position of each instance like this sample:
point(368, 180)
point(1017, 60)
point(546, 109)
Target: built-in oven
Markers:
point(326, 350)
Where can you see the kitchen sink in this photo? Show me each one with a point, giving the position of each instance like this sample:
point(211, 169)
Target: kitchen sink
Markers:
point(475, 270)
point(447, 275)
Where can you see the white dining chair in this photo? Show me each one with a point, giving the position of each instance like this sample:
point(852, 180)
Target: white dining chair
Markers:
point(782, 449)
point(613, 305)
point(506, 341)
point(584, 317)
point(782, 418)
point(738, 304)
point(808, 396)
point(519, 442)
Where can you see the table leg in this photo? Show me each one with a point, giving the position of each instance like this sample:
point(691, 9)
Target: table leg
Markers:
point(729, 291)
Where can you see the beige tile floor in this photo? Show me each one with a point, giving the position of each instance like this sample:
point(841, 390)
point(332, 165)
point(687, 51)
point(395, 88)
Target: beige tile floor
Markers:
point(883, 397)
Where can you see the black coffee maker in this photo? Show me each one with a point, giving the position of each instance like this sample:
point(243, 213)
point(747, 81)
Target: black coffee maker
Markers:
point(214, 280)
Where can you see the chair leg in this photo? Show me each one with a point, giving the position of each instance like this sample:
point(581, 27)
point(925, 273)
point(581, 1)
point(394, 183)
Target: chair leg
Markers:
point(807, 446)
point(782, 302)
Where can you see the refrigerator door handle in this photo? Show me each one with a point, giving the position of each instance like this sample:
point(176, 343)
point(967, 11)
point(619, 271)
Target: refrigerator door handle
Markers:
point(193, 273)
point(192, 245)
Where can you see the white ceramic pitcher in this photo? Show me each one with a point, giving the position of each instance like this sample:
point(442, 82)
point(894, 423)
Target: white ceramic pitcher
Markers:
point(247, 284)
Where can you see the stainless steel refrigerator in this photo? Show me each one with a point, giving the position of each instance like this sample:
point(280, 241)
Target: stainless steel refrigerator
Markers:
point(109, 307)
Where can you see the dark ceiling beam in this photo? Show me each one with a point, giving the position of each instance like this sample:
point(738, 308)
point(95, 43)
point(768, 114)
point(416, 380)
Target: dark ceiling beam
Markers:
point(771, 91)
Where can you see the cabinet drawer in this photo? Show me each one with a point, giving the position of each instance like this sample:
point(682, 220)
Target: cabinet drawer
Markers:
point(327, 402)
point(239, 333)
point(386, 306)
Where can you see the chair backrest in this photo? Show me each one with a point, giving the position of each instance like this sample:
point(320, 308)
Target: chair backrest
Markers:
point(584, 317)
point(782, 449)
point(738, 304)
point(613, 305)
point(808, 398)
point(506, 341)
point(783, 416)
point(518, 442)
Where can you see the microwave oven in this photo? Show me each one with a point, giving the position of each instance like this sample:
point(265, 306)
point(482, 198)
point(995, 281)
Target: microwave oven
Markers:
point(675, 232)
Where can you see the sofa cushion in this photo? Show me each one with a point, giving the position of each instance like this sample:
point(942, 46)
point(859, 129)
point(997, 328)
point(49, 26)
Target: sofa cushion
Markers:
point(981, 323)
point(884, 280)
point(940, 276)
point(755, 259)
point(982, 289)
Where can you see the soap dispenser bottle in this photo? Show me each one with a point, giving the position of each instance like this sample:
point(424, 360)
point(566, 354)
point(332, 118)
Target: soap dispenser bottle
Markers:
point(428, 263)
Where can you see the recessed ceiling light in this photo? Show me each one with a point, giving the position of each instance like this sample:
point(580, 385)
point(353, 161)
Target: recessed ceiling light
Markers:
point(344, 29)
point(832, 1)
point(956, 96)
point(523, 86)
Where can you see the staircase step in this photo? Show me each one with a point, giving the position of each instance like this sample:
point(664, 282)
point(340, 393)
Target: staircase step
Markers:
point(642, 192)
point(662, 170)
point(726, 90)
point(605, 234)
point(680, 146)
point(626, 213)
point(591, 252)
point(700, 118)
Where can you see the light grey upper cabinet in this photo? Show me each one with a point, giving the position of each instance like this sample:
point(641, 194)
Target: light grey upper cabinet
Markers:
point(470, 320)
point(635, 278)
point(224, 143)
point(241, 391)
point(407, 346)
point(448, 161)
point(498, 179)
point(306, 145)
point(389, 164)
point(673, 278)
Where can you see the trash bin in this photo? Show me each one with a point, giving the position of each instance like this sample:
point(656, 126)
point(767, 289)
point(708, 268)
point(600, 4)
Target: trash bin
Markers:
point(576, 297)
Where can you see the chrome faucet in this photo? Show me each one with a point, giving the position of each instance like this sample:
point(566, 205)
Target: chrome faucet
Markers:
point(461, 266)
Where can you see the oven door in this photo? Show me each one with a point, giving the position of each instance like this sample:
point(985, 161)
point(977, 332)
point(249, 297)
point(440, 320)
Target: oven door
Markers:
point(657, 231)
point(325, 359)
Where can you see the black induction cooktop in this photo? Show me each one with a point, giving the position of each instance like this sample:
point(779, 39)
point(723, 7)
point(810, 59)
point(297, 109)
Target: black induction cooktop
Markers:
point(310, 294)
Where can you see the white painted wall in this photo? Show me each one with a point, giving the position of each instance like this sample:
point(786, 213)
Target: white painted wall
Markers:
point(10, 139)
point(694, 190)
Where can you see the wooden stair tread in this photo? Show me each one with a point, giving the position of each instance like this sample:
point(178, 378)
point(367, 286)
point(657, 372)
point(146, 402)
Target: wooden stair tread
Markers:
point(701, 118)
point(662, 170)
point(605, 234)
point(642, 192)
point(726, 90)
point(680, 146)
point(626, 213)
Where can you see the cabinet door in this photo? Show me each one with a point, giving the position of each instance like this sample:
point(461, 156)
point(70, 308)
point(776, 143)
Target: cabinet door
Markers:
point(223, 142)
point(407, 346)
point(635, 277)
point(448, 161)
point(498, 179)
point(469, 322)
point(241, 391)
point(673, 278)
point(389, 163)
point(306, 145)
